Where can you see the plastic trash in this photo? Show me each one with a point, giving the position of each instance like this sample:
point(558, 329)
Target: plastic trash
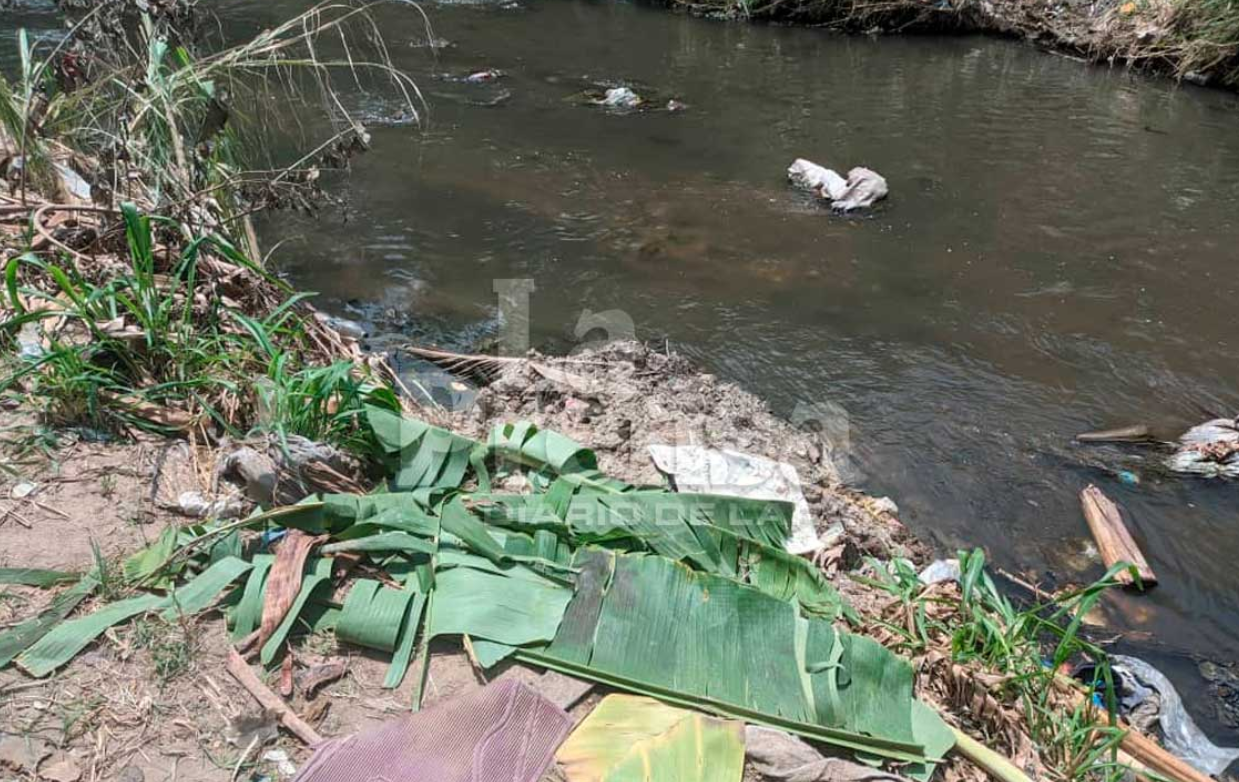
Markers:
point(621, 98)
point(939, 571)
point(862, 188)
point(1182, 736)
point(733, 474)
point(1210, 449)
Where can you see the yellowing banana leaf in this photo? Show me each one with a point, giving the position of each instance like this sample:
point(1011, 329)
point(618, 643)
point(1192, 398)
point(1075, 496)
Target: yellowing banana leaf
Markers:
point(634, 739)
point(35, 577)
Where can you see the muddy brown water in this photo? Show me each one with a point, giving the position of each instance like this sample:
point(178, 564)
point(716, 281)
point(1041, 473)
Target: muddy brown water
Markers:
point(1057, 255)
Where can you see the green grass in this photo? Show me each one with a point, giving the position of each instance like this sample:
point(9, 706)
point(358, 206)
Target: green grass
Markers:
point(183, 349)
point(1024, 647)
point(1205, 38)
point(171, 647)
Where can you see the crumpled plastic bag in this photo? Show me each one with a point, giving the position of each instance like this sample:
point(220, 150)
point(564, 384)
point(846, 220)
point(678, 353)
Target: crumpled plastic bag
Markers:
point(1182, 736)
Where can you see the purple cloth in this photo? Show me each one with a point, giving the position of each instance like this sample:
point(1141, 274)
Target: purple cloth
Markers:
point(504, 732)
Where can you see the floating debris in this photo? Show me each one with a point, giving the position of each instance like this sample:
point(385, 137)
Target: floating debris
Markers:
point(862, 188)
point(620, 98)
point(1210, 449)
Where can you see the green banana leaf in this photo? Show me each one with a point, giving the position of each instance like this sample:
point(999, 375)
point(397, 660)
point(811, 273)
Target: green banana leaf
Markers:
point(69, 638)
point(21, 636)
point(423, 455)
point(522, 442)
point(628, 738)
point(248, 613)
point(514, 606)
point(646, 624)
point(35, 577)
point(199, 593)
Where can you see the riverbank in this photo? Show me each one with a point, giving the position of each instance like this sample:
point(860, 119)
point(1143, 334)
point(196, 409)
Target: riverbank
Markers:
point(148, 699)
point(1190, 40)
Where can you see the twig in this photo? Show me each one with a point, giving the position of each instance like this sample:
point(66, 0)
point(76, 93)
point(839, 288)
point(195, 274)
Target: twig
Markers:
point(16, 517)
point(50, 509)
point(240, 670)
point(236, 770)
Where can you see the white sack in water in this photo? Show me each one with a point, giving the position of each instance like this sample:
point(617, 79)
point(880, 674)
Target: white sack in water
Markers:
point(862, 188)
point(698, 470)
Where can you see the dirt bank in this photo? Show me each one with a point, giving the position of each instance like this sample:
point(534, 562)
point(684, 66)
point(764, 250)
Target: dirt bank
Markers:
point(152, 701)
point(1190, 40)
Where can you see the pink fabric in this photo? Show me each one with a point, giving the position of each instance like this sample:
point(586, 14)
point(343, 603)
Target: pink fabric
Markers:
point(504, 732)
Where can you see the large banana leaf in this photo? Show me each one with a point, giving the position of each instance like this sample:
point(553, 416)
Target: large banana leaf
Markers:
point(646, 624)
point(514, 606)
point(633, 739)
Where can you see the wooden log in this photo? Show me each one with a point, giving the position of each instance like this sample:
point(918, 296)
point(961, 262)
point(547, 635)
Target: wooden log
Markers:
point(1114, 542)
point(1124, 434)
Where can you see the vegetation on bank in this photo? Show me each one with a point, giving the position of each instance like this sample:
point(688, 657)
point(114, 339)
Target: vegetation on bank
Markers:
point(118, 320)
point(1197, 40)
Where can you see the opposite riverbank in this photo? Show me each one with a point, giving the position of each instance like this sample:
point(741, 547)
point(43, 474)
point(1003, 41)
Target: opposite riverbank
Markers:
point(1189, 40)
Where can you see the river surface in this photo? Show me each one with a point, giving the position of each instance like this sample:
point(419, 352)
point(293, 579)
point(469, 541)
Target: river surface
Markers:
point(1058, 254)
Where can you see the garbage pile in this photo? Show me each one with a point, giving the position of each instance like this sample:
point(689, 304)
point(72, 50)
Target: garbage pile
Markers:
point(862, 188)
point(687, 604)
